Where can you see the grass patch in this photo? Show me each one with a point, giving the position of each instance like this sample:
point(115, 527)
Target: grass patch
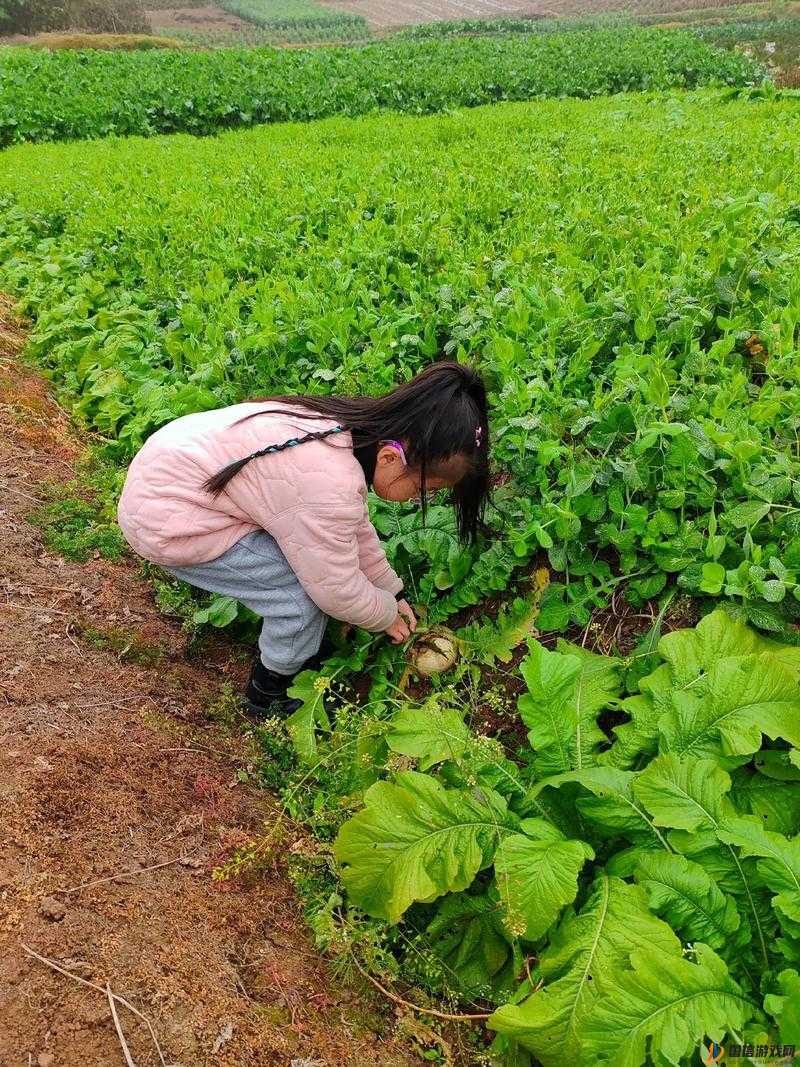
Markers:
point(126, 42)
point(123, 643)
point(78, 520)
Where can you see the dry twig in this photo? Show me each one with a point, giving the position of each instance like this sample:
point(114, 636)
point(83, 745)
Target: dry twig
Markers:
point(416, 1007)
point(125, 1050)
point(93, 985)
point(122, 874)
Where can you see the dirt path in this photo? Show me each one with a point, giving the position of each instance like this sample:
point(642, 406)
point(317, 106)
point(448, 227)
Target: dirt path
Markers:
point(207, 19)
point(102, 771)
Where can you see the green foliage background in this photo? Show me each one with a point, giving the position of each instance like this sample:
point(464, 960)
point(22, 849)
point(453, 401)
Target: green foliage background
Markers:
point(628, 287)
point(47, 96)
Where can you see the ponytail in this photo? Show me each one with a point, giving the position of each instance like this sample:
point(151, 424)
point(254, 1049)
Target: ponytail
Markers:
point(217, 482)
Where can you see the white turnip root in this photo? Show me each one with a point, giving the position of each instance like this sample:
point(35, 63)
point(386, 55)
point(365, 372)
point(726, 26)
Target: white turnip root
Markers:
point(433, 652)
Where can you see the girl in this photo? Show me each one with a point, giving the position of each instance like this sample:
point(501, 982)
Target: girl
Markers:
point(266, 502)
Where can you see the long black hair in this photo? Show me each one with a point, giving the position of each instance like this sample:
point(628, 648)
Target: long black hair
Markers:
point(439, 414)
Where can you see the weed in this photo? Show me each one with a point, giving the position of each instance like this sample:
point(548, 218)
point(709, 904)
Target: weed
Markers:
point(126, 645)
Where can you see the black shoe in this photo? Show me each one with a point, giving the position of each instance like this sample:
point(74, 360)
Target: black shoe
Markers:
point(266, 694)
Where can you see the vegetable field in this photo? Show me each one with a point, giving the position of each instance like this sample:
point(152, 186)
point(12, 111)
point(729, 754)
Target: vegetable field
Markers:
point(393, 13)
point(586, 832)
point(59, 96)
point(298, 20)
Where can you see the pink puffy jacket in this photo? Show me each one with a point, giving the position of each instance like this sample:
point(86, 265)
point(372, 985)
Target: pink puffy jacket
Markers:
point(312, 499)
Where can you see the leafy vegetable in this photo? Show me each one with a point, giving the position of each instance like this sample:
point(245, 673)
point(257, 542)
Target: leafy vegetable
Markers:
point(46, 96)
point(416, 840)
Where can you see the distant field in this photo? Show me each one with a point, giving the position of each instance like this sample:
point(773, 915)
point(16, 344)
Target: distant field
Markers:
point(386, 13)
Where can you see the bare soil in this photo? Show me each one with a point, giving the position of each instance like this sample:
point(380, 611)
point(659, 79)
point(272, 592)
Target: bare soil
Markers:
point(210, 19)
point(392, 13)
point(109, 763)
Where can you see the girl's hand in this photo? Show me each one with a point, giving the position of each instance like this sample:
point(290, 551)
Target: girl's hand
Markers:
point(405, 609)
point(399, 630)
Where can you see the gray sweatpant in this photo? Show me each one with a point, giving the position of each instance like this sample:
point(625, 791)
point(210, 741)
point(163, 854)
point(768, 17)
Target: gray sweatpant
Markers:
point(256, 572)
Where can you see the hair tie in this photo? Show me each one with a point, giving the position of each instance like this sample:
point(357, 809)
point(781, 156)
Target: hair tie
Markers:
point(478, 436)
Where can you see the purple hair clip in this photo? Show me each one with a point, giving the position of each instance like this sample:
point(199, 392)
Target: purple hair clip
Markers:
point(478, 436)
point(400, 449)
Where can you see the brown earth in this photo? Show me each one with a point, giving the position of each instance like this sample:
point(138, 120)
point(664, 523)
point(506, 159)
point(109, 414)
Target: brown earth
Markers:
point(109, 763)
point(102, 41)
point(209, 19)
point(386, 13)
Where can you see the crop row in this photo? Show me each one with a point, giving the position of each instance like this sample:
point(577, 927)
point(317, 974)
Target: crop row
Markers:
point(59, 96)
point(294, 18)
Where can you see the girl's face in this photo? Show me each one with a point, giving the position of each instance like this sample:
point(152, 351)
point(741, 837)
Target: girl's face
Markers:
point(395, 480)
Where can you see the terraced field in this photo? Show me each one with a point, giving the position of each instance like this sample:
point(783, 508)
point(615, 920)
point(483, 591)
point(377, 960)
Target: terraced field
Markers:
point(390, 13)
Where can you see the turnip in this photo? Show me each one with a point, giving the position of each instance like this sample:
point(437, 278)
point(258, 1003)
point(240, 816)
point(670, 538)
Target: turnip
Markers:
point(433, 652)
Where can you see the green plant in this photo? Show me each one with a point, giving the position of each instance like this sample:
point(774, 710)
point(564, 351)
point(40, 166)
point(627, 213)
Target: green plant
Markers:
point(300, 20)
point(78, 518)
point(46, 96)
point(660, 901)
point(645, 419)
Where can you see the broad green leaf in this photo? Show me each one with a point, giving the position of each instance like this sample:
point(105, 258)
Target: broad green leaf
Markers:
point(785, 1007)
point(691, 653)
point(415, 841)
point(681, 892)
point(777, 764)
point(430, 733)
point(688, 794)
point(779, 862)
point(220, 612)
point(613, 807)
point(670, 1008)
point(536, 879)
point(639, 737)
point(744, 697)
point(580, 966)
point(566, 691)
point(776, 803)
point(466, 935)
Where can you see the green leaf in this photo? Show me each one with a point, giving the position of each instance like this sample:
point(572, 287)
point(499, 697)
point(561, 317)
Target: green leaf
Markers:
point(713, 578)
point(689, 794)
point(566, 691)
point(580, 966)
point(779, 866)
point(744, 697)
point(220, 612)
point(613, 808)
point(775, 803)
point(785, 1007)
point(778, 764)
point(308, 688)
point(487, 642)
point(747, 514)
point(416, 841)
point(670, 1008)
point(430, 733)
point(536, 879)
point(639, 736)
point(466, 935)
point(693, 652)
point(554, 612)
point(681, 892)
